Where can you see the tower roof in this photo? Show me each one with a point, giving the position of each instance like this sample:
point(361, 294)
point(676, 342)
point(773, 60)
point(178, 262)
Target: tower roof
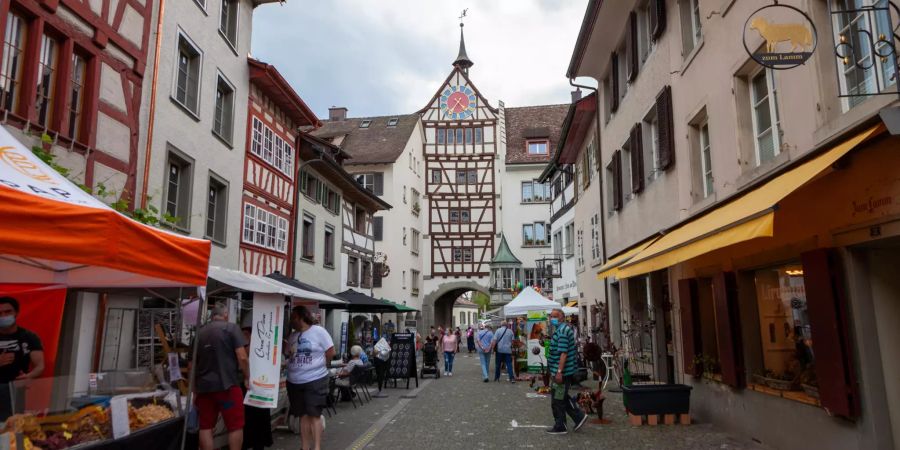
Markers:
point(504, 254)
point(462, 60)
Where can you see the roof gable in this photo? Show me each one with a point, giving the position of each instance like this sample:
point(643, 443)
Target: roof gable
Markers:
point(376, 143)
point(533, 123)
point(458, 80)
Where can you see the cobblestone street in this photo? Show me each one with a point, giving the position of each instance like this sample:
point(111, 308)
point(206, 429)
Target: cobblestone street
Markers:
point(464, 412)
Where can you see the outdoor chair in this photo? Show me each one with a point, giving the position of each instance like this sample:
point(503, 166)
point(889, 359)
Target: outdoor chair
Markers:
point(357, 380)
point(331, 398)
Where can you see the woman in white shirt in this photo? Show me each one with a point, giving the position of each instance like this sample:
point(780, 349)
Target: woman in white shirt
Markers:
point(311, 348)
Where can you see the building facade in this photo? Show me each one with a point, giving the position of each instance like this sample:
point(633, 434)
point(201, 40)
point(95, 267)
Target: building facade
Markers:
point(748, 214)
point(195, 115)
point(274, 117)
point(75, 72)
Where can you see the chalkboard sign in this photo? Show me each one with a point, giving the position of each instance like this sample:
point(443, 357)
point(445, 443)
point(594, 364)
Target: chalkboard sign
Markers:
point(402, 363)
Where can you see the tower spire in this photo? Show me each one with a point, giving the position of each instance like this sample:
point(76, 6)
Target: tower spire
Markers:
point(462, 60)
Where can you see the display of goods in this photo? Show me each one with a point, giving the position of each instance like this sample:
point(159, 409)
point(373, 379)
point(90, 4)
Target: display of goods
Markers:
point(26, 424)
point(148, 415)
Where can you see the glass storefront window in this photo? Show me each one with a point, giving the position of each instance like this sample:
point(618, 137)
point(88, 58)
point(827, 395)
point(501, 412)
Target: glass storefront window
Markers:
point(784, 325)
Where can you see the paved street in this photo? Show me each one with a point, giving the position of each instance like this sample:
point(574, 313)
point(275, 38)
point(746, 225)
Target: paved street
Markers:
point(464, 412)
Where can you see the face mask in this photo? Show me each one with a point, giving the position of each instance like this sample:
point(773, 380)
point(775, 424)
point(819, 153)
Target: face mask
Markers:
point(7, 321)
point(554, 321)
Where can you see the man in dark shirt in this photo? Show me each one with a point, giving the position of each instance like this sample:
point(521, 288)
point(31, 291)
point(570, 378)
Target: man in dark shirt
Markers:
point(21, 354)
point(221, 357)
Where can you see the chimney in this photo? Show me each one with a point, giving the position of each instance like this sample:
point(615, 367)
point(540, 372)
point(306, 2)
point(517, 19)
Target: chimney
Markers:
point(576, 95)
point(337, 113)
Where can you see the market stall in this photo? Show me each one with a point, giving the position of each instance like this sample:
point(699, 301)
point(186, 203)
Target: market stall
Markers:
point(528, 313)
point(54, 237)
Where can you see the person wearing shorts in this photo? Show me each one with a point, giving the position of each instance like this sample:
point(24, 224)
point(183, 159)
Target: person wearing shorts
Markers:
point(310, 350)
point(221, 359)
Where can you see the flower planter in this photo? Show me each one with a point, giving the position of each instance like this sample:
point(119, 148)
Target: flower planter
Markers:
point(775, 383)
point(810, 390)
point(650, 399)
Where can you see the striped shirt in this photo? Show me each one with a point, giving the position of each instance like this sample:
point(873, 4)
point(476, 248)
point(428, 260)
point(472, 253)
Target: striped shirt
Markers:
point(563, 341)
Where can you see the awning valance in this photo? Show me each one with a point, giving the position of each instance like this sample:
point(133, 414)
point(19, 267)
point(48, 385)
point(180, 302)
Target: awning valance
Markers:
point(611, 268)
point(750, 216)
point(572, 304)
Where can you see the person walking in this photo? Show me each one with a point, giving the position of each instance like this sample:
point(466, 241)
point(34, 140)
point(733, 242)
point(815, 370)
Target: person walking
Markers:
point(483, 341)
point(502, 344)
point(458, 338)
point(470, 339)
point(450, 345)
point(563, 365)
point(221, 358)
point(311, 348)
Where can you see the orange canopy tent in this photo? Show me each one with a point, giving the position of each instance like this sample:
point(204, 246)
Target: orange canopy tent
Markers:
point(53, 232)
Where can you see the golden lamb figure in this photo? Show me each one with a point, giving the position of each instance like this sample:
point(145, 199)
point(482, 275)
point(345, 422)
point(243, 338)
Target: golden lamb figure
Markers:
point(799, 35)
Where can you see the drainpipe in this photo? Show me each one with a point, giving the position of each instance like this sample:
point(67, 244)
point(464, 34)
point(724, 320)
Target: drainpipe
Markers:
point(599, 188)
point(153, 87)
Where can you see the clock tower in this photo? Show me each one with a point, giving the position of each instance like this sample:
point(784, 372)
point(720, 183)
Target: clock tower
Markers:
point(462, 138)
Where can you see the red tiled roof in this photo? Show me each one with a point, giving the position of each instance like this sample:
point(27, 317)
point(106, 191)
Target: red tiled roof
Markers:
point(533, 122)
point(375, 144)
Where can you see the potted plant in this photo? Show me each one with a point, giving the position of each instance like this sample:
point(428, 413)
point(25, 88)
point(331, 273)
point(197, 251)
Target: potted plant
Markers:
point(809, 382)
point(708, 367)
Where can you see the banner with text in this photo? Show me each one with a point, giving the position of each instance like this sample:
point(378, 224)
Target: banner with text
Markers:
point(265, 350)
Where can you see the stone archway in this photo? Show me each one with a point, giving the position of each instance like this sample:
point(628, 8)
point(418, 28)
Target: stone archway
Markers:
point(437, 306)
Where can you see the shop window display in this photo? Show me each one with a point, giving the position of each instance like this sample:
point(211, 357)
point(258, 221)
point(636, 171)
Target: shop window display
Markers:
point(785, 337)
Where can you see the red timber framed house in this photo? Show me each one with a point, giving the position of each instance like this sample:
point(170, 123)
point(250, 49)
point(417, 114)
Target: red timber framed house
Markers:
point(275, 115)
point(460, 151)
point(73, 70)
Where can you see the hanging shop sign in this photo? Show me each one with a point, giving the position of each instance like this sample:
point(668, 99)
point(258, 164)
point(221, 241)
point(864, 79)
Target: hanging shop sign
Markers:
point(784, 36)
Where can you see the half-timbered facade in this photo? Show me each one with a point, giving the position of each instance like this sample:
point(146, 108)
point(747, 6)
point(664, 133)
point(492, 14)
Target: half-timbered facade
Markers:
point(275, 114)
point(74, 70)
point(460, 149)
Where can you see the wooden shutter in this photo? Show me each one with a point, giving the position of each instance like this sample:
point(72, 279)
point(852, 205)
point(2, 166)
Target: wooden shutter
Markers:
point(614, 79)
point(689, 299)
point(657, 18)
point(379, 228)
point(632, 46)
point(826, 303)
point(379, 183)
point(376, 274)
point(728, 329)
point(637, 159)
point(665, 126)
point(617, 180)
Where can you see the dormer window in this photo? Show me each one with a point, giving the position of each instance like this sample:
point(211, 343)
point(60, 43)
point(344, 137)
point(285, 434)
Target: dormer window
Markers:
point(365, 124)
point(393, 122)
point(538, 147)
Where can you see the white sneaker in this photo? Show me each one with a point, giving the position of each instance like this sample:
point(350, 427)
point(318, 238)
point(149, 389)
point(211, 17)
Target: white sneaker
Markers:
point(451, 374)
point(445, 374)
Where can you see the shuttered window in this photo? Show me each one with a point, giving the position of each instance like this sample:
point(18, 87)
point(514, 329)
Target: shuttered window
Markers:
point(379, 228)
point(827, 307)
point(376, 274)
point(657, 18)
point(666, 130)
point(616, 180)
point(633, 58)
point(379, 183)
point(614, 78)
point(637, 159)
point(688, 298)
point(728, 329)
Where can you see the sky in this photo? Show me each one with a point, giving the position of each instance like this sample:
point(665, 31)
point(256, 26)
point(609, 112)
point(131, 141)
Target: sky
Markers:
point(385, 57)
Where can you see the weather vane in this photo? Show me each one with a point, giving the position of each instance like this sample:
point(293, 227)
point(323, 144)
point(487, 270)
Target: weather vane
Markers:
point(462, 16)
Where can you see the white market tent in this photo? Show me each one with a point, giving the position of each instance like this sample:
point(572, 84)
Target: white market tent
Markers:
point(530, 300)
point(264, 285)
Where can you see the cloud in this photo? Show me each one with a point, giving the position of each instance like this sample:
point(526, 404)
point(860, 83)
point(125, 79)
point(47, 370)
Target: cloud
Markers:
point(390, 56)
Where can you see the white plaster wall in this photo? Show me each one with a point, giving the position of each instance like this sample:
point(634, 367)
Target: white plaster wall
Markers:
point(315, 272)
point(515, 213)
point(193, 135)
point(565, 288)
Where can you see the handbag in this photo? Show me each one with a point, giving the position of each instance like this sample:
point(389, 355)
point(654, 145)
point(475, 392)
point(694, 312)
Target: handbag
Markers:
point(499, 338)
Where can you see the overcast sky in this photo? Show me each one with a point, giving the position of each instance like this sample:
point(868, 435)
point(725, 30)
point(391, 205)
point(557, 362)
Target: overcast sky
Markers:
point(383, 57)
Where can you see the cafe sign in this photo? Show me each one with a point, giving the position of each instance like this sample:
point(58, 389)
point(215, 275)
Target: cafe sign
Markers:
point(783, 36)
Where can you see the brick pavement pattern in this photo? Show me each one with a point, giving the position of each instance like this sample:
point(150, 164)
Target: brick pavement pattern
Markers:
point(462, 412)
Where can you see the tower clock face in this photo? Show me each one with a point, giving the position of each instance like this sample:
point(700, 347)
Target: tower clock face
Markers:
point(458, 102)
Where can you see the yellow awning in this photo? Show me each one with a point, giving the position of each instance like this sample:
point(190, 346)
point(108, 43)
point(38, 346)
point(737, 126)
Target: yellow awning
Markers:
point(611, 268)
point(748, 217)
point(572, 304)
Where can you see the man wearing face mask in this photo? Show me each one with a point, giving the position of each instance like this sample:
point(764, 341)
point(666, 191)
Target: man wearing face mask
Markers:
point(21, 354)
point(562, 364)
